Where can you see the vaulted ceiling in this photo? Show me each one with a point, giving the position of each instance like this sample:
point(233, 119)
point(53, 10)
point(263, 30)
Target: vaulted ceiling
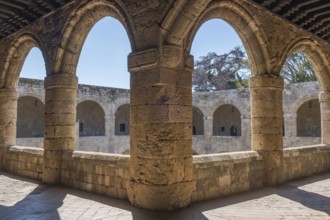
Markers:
point(311, 15)
point(15, 14)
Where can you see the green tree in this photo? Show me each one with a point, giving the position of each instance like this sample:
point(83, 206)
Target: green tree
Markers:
point(218, 72)
point(297, 68)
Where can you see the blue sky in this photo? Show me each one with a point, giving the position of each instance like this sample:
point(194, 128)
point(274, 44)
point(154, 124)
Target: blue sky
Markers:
point(103, 60)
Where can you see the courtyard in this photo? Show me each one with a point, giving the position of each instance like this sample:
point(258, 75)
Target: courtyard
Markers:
point(22, 198)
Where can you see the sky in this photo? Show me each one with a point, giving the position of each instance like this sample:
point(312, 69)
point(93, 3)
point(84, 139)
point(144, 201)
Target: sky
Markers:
point(103, 59)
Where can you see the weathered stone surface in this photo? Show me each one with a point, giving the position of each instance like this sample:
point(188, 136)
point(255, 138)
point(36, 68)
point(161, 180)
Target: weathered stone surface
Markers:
point(161, 174)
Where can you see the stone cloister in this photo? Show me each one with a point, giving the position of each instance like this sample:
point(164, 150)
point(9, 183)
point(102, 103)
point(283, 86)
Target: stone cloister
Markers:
point(102, 122)
point(160, 173)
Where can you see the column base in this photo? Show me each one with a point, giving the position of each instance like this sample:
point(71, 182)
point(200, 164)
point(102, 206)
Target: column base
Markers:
point(2, 149)
point(273, 161)
point(160, 197)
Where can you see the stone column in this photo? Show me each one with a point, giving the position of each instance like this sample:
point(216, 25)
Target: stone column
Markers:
point(290, 129)
point(108, 130)
point(325, 116)
point(161, 124)
point(8, 117)
point(208, 127)
point(60, 123)
point(267, 124)
point(246, 132)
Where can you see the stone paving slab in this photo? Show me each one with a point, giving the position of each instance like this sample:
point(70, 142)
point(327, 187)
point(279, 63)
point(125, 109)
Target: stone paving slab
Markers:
point(21, 198)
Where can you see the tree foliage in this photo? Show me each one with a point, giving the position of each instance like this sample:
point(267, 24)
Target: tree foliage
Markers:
point(297, 69)
point(218, 72)
point(231, 71)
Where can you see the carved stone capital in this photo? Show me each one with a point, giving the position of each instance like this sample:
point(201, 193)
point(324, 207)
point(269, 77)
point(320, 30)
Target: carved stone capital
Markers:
point(324, 97)
point(9, 94)
point(266, 82)
point(168, 56)
point(61, 81)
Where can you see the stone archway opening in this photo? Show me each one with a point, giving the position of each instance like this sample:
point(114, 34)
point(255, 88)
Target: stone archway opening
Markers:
point(299, 68)
point(309, 119)
point(30, 122)
point(122, 121)
point(91, 119)
point(30, 105)
point(227, 121)
point(197, 122)
point(103, 56)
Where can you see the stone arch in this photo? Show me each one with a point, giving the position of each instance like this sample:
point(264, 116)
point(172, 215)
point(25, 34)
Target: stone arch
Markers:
point(17, 53)
point(309, 119)
point(97, 100)
point(122, 120)
point(79, 25)
point(298, 103)
point(35, 95)
point(227, 121)
point(217, 105)
point(316, 55)
point(197, 121)
point(91, 118)
point(30, 117)
point(239, 18)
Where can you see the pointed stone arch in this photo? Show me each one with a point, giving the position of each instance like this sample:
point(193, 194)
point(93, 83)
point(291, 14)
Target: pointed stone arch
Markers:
point(79, 25)
point(319, 59)
point(239, 18)
point(15, 58)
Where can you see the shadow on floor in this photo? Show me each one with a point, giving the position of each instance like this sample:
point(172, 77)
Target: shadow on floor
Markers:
point(43, 202)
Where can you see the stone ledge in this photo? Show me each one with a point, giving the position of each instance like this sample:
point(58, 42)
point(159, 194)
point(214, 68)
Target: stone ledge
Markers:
point(233, 156)
point(29, 150)
point(289, 152)
point(98, 156)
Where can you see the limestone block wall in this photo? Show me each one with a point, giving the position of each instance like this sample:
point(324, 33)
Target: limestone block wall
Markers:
point(25, 161)
point(214, 175)
point(224, 174)
point(96, 172)
point(305, 161)
point(94, 143)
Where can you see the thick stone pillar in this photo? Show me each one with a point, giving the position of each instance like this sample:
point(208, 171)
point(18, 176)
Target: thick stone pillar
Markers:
point(325, 116)
point(267, 124)
point(60, 123)
point(8, 117)
point(161, 124)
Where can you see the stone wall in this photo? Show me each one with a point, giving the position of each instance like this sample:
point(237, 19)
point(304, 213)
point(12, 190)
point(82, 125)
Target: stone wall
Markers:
point(96, 172)
point(305, 161)
point(25, 161)
point(112, 101)
point(214, 175)
point(225, 174)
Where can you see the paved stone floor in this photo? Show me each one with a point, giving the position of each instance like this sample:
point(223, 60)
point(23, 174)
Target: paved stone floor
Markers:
point(21, 198)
